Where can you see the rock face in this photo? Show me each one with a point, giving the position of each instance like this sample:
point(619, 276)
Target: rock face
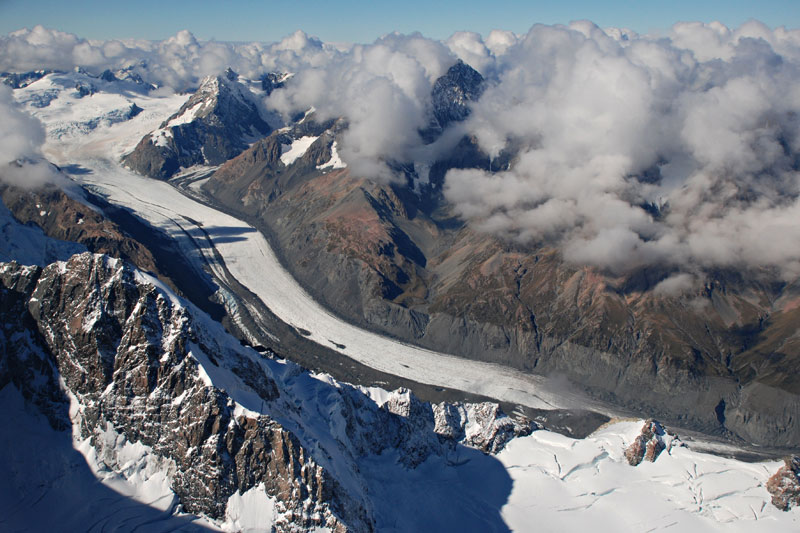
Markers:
point(214, 125)
point(126, 353)
point(784, 485)
point(140, 366)
point(482, 426)
point(453, 92)
point(649, 444)
point(272, 81)
point(64, 218)
point(18, 80)
point(450, 98)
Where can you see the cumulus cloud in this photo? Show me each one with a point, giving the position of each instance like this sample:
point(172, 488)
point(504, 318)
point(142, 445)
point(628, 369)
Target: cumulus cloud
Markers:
point(382, 90)
point(21, 138)
point(638, 151)
point(178, 62)
point(625, 150)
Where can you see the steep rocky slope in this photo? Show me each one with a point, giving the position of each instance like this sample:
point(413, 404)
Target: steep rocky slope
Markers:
point(221, 418)
point(215, 124)
point(65, 218)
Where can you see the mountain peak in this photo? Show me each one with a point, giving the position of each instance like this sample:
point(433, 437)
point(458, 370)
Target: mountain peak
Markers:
point(215, 124)
point(452, 93)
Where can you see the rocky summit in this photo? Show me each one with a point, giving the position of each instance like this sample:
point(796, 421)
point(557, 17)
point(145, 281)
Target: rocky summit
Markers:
point(215, 124)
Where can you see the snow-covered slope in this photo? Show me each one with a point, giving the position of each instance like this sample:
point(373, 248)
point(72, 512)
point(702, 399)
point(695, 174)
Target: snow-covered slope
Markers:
point(49, 485)
point(67, 111)
point(575, 485)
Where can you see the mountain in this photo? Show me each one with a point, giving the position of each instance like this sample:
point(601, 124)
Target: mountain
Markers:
point(452, 93)
point(217, 123)
point(18, 80)
point(139, 365)
point(273, 80)
point(105, 373)
point(450, 98)
point(394, 259)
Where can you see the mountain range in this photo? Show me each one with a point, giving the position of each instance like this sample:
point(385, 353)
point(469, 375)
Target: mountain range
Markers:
point(111, 331)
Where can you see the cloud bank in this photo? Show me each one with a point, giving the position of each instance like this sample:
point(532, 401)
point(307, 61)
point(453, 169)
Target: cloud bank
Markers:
point(21, 139)
point(626, 150)
point(681, 150)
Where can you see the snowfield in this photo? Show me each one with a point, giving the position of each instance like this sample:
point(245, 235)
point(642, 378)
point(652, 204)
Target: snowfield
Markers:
point(563, 484)
point(556, 483)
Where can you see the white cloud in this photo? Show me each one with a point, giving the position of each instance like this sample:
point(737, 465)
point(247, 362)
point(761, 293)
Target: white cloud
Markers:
point(606, 127)
point(714, 109)
point(21, 138)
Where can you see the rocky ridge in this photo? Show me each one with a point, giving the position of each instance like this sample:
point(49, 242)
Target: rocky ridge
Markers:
point(138, 363)
point(453, 92)
point(217, 123)
point(649, 444)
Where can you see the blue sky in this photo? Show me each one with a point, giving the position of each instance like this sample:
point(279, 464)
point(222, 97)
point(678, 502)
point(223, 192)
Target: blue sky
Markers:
point(362, 21)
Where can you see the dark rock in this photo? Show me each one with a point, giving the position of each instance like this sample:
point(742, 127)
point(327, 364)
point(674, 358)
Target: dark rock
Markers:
point(107, 75)
point(19, 80)
point(135, 110)
point(84, 89)
point(649, 444)
point(784, 485)
point(272, 81)
point(451, 95)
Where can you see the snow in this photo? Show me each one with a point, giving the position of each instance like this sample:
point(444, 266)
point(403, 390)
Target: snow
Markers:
point(294, 151)
point(67, 116)
point(87, 121)
point(555, 476)
point(335, 162)
point(47, 485)
point(129, 468)
point(187, 116)
point(204, 377)
point(160, 136)
point(250, 511)
point(148, 279)
point(308, 112)
point(28, 245)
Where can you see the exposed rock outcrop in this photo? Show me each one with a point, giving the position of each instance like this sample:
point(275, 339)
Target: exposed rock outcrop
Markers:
point(649, 444)
point(450, 97)
point(482, 426)
point(784, 485)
